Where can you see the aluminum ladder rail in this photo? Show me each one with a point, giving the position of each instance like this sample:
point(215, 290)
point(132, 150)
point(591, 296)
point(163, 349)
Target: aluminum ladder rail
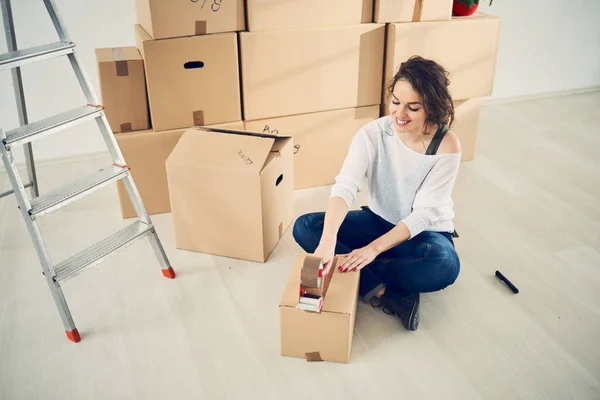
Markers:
point(55, 273)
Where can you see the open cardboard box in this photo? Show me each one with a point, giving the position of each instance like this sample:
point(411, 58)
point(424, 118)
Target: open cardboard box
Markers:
point(231, 191)
point(323, 336)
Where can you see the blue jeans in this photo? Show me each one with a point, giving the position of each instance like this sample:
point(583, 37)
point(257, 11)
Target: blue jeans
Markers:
point(426, 263)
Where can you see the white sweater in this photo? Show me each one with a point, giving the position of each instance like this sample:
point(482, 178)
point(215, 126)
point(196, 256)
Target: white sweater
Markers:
point(403, 185)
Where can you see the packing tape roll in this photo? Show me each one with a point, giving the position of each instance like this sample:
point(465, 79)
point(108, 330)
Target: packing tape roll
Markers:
point(310, 272)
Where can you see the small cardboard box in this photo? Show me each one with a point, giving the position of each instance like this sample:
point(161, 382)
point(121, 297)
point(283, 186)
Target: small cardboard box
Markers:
point(310, 70)
point(168, 19)
point(466, 125)
point(146, 152)
point(231, 192)
point(321, 140)
point(269, 15)
point(471, 64)
point(191, 81)
point(123, 88)
point(324, 336)
point(412, 10)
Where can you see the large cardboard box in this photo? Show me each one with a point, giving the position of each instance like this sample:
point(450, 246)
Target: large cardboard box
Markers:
point(324, 336)
point(191, 81)
point(471, 62)
point(309, 70)
point(321, 140)
point(231, 192)
point(268, 15)
point(167, 18)
point(466, 125)
point(412, 10)
point(123, 88)
point(146, 152)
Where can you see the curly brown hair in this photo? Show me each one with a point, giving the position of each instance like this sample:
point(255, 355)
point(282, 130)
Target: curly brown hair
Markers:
point(430, 80)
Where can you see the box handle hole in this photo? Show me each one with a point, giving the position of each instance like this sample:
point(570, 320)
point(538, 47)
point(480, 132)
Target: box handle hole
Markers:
point(193, 64)
point(279, 179)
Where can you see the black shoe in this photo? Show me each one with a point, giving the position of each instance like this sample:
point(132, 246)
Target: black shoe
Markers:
point(403, 304)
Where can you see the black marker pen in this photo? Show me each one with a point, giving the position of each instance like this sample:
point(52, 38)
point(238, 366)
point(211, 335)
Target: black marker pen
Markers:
point(508, 283)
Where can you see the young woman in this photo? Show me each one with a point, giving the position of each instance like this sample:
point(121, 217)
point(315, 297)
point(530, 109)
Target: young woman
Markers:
point(402, 243)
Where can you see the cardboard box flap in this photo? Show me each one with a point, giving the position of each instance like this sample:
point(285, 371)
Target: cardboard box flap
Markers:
point(113, 54)
point(278, 144)
point(239, 132)
point(337, 299)
point(141, 36)
point(213, 150)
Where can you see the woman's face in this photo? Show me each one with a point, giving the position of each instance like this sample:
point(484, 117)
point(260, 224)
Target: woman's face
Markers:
point(406, 109)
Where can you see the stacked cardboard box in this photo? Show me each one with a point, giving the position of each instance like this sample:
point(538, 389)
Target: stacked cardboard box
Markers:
point(312, 70)
point(183, 72)
point(231, 191)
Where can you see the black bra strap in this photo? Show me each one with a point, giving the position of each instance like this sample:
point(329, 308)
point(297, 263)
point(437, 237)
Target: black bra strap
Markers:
point(437, 140)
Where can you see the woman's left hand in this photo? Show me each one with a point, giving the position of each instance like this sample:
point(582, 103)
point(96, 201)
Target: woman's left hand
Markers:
point(358, 259)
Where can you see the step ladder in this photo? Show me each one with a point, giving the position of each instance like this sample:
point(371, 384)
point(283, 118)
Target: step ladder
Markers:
point(55, 274)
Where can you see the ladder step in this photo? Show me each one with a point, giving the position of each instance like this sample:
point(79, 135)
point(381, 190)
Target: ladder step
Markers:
point(34, 54)
point(95, 254)
point(64, 195)
point(30, 132)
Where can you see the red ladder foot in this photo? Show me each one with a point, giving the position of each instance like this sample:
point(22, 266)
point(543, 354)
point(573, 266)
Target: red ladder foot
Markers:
point(168, 273)
point(73, 335)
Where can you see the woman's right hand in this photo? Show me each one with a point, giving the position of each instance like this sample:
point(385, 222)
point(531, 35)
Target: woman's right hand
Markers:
point(325, 251)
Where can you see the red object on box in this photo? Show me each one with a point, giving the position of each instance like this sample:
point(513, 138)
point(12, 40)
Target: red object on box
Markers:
point(460, 9)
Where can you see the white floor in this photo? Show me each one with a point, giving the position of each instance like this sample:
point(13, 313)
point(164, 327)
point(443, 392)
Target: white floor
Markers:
point(529, 206)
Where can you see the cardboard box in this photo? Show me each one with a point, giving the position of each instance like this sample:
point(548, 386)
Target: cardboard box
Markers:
point(231, 192)
point(192, 80)
point(471, 62)
point(324, 336)
point(310, 70)
point(123, 88)
point(269, 15)
point(466, 125)
point(146, 153)
point(168, 19)
point(321, 140)
point(412, 10)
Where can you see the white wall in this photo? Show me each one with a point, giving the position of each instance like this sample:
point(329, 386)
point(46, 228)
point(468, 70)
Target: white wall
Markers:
point(545, 46)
